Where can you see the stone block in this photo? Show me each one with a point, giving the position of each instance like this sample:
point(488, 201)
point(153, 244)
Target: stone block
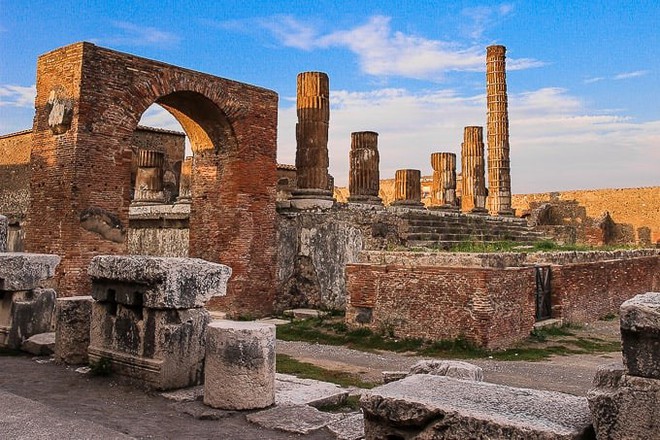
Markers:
point(157, 282)
point(161, 349)
point(72, 322)
point(4, 231)
point(240, 365)
point(299, 419)
point(624, 406)
point(455, 369)
point(24, 314)
point(422, 406)
point(23, 271)
point(42, 344)
point(640, 335)
point(291, 390)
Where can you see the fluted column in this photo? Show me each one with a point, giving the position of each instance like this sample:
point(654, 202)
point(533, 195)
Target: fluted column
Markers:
point(473, 184)
point(149, 177)
point(443, 187)
point(408, 189)
point(499, 170)
point(364, 177)
point(313, 106)
point(185, 181)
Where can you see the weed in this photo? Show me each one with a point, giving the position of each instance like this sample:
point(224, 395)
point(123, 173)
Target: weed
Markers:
point(102, 367)
point(352, 403)
point(288, 365)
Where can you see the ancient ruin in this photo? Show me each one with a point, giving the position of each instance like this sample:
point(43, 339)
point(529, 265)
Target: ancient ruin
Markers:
point(313, 105)
point(363, 179)
point(408, 190)
point(443, 191)
point(499, 172)
point(473, 183)
point(149, 178)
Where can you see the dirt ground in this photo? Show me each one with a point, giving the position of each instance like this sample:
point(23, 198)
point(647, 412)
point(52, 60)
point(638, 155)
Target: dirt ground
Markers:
point(145, 415)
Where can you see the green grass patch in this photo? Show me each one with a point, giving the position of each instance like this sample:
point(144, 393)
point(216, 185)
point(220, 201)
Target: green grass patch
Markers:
point(352, 403)
point(287, 365)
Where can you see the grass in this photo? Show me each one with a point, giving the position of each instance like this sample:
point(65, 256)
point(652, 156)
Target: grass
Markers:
point(287, 365)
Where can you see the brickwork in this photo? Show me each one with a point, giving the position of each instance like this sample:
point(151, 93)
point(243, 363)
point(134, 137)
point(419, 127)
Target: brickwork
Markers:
point(232, 130)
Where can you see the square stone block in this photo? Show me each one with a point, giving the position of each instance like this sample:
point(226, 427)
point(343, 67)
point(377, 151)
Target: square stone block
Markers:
point(24, 271)
point(72, 317)
point(640, 335)
point(24, 314)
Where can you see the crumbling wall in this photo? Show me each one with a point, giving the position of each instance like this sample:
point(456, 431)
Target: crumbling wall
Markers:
point(15, 184)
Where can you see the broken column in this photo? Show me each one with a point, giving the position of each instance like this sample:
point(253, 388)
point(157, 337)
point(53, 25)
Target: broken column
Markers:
point(185, 181)
point(73, 317)
point(149, 177)
point(364, 178)
point(26, 306)
point(473, 183)
point(624, 401)
point(313, 105)
point(148, 318)
point(443, 188)
point(408, 189)
point(499, 171)
point(239, 370)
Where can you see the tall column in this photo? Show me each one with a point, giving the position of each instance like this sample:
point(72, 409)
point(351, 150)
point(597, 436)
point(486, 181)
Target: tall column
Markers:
point(364, 177)
point(149, 177)
point(185, 181)
point(473, 184)
point(443, 188)
point(499, 171)
point(408, 189)
point(313, 105)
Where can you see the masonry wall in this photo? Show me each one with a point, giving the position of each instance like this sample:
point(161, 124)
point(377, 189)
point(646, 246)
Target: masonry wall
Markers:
point(15, 174)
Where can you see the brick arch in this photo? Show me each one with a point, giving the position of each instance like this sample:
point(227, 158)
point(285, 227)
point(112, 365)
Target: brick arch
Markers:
point(81, 170)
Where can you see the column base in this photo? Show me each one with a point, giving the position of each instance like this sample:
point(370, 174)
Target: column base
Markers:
point(408, 204)
point(311, 198)
point(442, 208)
point(365, 200)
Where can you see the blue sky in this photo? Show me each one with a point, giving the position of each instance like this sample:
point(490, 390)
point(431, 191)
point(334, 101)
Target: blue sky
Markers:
point(583, 76)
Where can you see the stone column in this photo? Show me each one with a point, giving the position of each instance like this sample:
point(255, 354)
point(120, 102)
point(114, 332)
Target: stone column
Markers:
point(364, 178)
point(185, 181)
point(408, 189)
point(443, 189)
point(473, 185)
point(4, 233)
point(149, 178)
point(499, 171)
point(313, 104)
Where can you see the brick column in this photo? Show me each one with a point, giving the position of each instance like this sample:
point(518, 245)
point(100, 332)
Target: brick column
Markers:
point(443, 188)
point(364, 178)
point(473, 185)
point(499, 172)
point(185, 181)
point(408, 189)
point(313, 105)
point(149, 178)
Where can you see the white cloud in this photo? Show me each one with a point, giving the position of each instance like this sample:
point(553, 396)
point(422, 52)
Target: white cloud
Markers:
point(594, 79)
point(17, 96)
point(480, 18)
point(134, 35)
point(556, 143)
point(628, 75)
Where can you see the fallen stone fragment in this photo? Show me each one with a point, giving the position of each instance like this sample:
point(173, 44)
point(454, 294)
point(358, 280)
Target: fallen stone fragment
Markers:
point(291, 390)
point(42, 344)
point(299, 419)
point(423, 406)
point(350, 427)
point(640, 335)
point(391, 376)
point(455, 369)
point(189, 394)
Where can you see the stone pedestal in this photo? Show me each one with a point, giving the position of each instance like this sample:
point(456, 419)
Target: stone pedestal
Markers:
point(473, 182)
point(364, 175)
point(72, 317)
point(148, 317)
point(443, 188)
point(26, 308)
point(408, 189)
point(149, 177)
point(313, 106)
point(499, 170)
point(240, 365)
point(185, 181)
point(624, 400)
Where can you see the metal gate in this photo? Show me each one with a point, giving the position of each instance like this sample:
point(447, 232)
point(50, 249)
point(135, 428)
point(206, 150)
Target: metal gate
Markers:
point(543, 293)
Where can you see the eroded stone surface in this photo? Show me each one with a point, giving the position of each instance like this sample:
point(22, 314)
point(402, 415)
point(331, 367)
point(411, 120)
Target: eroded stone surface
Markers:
point(73, 318)
point(348, 428)
point(166, 283)
point(300, 419)
point(24, 271)
point(435, 407)
point(640, 335)
point(624, 406)
point(4, 227)
point(42, 344)
point(455, 369)
point(24, 314)
point(240, 365)
point(291, 390)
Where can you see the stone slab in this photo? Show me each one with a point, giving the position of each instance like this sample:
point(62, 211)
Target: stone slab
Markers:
point(304, 313)
point(291, 390)
point(426, 406)
point(640, 335)
point(299, 419)
point(455, 369)
point(350, 427)
point(24, 314)
point(42, 344)
point(24, 271)
point(624, 406)
point(164, 283)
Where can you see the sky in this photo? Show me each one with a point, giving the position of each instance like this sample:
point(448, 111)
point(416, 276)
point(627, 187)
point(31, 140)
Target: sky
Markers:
point(583, 76)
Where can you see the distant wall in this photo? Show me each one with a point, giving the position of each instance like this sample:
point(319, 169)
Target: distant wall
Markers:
point(15, 174)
